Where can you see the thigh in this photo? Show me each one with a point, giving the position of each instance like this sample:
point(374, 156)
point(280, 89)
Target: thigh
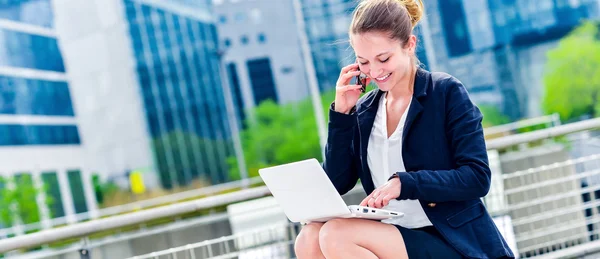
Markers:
point(427, 243)
point(382, 239)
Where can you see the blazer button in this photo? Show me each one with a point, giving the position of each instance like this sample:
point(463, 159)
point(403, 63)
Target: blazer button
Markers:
point(431, 205)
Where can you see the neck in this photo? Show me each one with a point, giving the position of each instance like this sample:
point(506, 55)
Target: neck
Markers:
point(404, 88)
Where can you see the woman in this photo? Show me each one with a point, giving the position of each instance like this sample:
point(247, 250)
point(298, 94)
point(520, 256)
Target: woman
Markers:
point(416, 142)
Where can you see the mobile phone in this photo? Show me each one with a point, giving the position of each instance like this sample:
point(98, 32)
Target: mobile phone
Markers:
point(361, 79)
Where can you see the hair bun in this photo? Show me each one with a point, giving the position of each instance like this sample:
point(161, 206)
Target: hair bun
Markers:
point(415, 10)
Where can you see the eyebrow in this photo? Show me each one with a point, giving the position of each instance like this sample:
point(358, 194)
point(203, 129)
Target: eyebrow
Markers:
point(375, 56)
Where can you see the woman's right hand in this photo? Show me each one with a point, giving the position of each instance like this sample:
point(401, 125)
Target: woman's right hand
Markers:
point(347, 95)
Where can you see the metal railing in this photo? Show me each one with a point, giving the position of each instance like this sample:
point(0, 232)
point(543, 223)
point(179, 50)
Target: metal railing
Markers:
point(505, 129)
point(136, 206)
point(547, 219)
point(549, 120)
point(272, 242)
point(87, 228)
point(555, 206)
point(90, 227)
point(187, 224)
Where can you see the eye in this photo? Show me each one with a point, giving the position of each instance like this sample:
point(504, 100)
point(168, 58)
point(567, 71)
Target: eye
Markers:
point(363, 63)
point(385, 60)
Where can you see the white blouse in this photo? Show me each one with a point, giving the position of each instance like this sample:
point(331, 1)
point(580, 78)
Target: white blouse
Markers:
point(384, 157)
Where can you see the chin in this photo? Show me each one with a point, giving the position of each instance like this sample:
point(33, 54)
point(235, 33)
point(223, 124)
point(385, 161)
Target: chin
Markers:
point(385, 86)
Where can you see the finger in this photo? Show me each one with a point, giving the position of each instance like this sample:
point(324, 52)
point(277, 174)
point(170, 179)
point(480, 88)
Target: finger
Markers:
point(376, 193)
point(348, 68)
point(347, 77)
point(347, 88)
point(386, 200)
point(379, 201)
point(365, 201)
point(371, 202)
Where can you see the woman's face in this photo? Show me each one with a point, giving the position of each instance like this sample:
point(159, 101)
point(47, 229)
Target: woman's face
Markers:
point(382, 59)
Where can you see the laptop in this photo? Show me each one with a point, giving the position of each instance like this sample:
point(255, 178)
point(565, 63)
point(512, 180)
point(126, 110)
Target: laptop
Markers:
point(306, 194)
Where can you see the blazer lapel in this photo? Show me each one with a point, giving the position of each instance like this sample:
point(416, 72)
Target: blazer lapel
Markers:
point(420, 90)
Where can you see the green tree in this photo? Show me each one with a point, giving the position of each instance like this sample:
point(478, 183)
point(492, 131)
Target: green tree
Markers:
point(492, 116)
point(571, 78)
point(20, 202)
point(280, 134)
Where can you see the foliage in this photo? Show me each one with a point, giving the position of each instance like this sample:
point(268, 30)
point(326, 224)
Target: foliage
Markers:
point(571, 77)
point(280, 134)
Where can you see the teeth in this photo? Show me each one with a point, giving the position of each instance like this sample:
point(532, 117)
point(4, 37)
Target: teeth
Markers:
point(383, 78)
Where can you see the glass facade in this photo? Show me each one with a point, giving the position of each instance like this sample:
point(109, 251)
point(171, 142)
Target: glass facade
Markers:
point(178, 72)
point(34, 12)
point(34, 97)
point(236, 91)
point(23, 50)
point(20, 135)
point(499, 27)
point(327, 31)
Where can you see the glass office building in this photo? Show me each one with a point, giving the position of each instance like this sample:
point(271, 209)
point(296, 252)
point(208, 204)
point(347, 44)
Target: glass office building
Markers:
point(498, 47)
point(177, 62)
point(38, 126)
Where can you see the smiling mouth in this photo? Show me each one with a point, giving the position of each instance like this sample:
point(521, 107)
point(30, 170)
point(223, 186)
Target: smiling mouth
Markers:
point(383, 77)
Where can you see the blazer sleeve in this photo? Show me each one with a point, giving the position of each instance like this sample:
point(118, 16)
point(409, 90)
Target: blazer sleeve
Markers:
point(340, 157)
point(471, 176)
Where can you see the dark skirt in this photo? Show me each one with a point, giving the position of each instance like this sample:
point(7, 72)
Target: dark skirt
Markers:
point(427, 242)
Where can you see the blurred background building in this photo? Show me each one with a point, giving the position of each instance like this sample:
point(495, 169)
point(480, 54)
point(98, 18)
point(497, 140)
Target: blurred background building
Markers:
point(154, 82)
point(97, 91)
point(497, 48)
point(39, 128)
point(262, 53)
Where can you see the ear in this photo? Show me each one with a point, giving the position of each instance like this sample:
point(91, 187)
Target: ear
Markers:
point(411, 44)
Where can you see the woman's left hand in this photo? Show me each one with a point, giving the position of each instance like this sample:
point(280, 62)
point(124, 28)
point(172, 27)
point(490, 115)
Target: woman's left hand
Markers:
point(381, 196)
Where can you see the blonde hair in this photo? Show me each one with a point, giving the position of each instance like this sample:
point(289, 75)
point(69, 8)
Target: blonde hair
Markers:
point(397, 18)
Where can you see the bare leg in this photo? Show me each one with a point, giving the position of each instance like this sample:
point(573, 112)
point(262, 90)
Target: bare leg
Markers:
point(360, 238)
point(307, 242)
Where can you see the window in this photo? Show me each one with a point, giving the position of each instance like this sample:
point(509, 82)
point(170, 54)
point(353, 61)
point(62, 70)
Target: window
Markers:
point(222, 19)
point(34, 12)
point(34, 97)
point(30, 51)
point(77, 192)
point(19, 135)
point(244, 40)
point(455, 27)
point(52, 188)
point(262, 38)
point(261, 80)
point(227, 42)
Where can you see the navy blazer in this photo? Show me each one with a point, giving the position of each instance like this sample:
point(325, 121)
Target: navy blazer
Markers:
point(444, 154)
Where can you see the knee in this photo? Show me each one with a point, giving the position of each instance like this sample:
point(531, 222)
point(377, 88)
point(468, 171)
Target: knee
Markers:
point(307, 242)
point(333, 234)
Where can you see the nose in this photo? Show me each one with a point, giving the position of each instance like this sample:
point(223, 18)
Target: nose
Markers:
point(376, 72)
